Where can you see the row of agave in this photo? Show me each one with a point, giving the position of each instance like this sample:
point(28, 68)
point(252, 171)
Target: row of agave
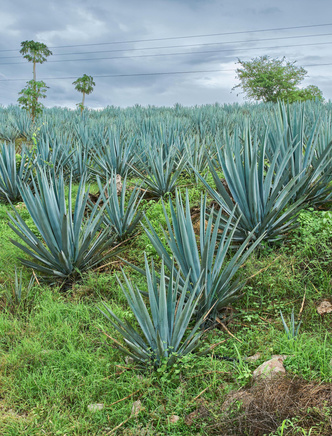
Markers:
point(271, 176)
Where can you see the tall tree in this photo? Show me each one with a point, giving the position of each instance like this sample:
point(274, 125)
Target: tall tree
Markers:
point(35, 52)
point(268, 80)
point(84, 85)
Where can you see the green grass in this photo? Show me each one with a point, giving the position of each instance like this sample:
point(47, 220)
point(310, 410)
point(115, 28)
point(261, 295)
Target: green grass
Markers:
point(55, 359)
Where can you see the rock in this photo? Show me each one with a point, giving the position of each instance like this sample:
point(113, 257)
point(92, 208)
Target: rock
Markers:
point(129, 360)
point(279, 356)
point(270, 368)
point(95, 407)
point(173, 419)
point(136, 407)
point(254, 357)
point(324, 307)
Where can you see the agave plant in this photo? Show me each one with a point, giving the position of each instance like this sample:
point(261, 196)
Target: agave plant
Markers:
point(206, 262)
point(53, 155)
point(17, 297)
point(68, 243)
point(115, 154)
point(309, 159)
point(120, 216)
point(258, 187)
point(158, 174)
point(163, 338)
point(14, 168)
point(79, 162)
point(291, 331)
point(197, 156)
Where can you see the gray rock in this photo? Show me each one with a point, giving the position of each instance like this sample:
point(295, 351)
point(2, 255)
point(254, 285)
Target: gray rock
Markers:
point(95, 407)
point(271, 368)
point(136, 407)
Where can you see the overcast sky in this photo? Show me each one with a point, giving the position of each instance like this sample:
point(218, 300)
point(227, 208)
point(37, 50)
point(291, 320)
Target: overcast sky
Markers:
point(97, 31)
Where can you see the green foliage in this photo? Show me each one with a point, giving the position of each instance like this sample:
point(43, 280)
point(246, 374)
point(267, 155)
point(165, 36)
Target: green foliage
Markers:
point(36, 52)
point(74, 244)
point(17, 297)
point(54, 354)
point(84, 85)
point(163, 339)
point(30, 95)
point(291, 331)
point(311, 92)
point(269, 80)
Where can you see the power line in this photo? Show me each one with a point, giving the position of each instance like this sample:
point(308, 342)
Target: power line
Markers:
point(184, 37)
point(148, 74)
point(177, 46)
point(182, 53)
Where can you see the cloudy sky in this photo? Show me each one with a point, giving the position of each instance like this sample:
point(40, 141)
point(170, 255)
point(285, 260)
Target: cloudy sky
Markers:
point(124, 43)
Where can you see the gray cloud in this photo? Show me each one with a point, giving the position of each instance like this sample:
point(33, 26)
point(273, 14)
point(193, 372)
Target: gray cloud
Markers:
point(72, 22)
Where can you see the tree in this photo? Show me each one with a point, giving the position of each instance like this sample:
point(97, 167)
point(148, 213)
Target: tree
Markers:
point(30, 95)
point(269, 80)
point(84, 85)
point(35, 52)
point(311, 92)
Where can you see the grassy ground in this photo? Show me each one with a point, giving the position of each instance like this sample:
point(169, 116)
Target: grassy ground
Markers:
point(55, 361)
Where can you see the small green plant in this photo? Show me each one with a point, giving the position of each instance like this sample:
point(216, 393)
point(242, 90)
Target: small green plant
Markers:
point(17, 296)
point(33, 91)
point(242, 369)
point(291, 331)
point(290, 424)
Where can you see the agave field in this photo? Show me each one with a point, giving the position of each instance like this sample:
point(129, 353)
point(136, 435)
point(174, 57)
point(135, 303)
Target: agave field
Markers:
point(147, 253)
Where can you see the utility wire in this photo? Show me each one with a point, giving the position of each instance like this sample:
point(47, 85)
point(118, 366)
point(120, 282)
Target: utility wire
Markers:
point(186, 36)
point(182, 53)
point(148, 74)
point(179, 46)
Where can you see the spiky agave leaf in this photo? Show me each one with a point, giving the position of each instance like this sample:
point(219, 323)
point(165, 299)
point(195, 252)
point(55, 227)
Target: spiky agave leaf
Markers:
point(159, 174)
point(121, 216)
point(205, 262)
point(68, 244)
point(163, 322)
point(263, 199)
point(13, 169)
point(311, 156)
point(116, 153)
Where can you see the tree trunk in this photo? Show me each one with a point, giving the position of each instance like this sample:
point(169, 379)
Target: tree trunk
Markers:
point(82, 107)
